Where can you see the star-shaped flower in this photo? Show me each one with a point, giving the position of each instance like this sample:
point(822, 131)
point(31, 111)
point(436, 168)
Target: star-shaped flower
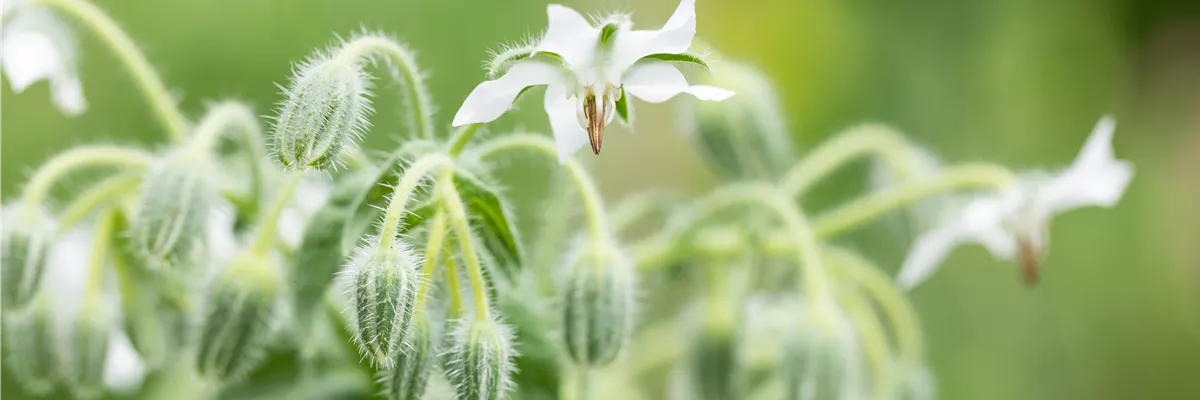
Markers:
point(1014, 223)
point(588, 70)
point(36, 45)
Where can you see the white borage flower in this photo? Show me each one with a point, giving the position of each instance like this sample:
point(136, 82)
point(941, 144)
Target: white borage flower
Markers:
point(35, 45)
point(588, 69)
point(1013, 224)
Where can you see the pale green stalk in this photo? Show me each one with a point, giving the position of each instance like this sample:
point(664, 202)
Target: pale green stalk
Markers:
point(874, 343)
point(844, 147)
point(95, 196)
point(452, 203)
point(119, 42)
point(433, 249)
point(461, 137)
point(366, 46)
point(77, 159)
point(270, 220)
point(397, 205)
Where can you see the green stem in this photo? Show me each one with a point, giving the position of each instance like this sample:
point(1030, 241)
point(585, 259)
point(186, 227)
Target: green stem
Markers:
point(843, 147)
point(408, 184)
point(813, 276)
point(457, 213)
point(120, 44)
point(892, 303)
point(637, 207)
point(593, 204)
point(364, 47)
point(270, 220)
point(461, 137)
point(875, 205)
point(95, 196)
point(433, 249)
point(874, 343)
point(454, 286)
point(101, 242)
point(78, 158)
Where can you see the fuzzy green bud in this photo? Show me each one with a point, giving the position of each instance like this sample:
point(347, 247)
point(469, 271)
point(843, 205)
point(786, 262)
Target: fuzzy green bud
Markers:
point(237, 325)
point(745, 137)
point(411, 366)
point(25, 242)
point(597, 305)
point(88, 351)
point(714, 358)
point(29, 339)
point(324, 112)
point(175, 200)
point(384, 280)
point(480, 359)
point(821, 360)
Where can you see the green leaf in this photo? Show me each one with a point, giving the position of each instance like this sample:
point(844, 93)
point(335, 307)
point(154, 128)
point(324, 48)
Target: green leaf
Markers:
point(494, 221)
point(692, 58)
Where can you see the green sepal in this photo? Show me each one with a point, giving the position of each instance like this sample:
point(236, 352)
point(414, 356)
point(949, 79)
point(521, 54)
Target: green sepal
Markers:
point(608, 31)
point(623, 109)
point(691, 58)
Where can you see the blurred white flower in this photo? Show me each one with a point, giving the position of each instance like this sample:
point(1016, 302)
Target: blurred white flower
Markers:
point(35, 45)
point(589, 70)
point(310, 196)
point(1013, 223)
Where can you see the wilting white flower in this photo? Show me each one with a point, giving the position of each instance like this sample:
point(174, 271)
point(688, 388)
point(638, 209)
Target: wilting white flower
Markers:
point(588, 69)
point(35, 45)
point(1013, 223)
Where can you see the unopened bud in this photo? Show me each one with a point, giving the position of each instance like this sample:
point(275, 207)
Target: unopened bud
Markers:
point(324, 112)
point(24, 257)
point(29, 339)
point(175, 200)
point(481, 360)
point(412, 365)
point(745, 136)
point(385, 284)
point(88, 351)
point(714, 358)
point(821, 359)
point(597, 301)
point(238, 322)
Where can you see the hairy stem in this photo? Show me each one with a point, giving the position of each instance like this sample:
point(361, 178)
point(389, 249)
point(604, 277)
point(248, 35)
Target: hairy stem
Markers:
point(101, 243)
point(454, 286)
point(452, 203)
point(875, 205)
point(408, 184)
point(120, 44)
point(461, 137)
point(593, 204)
point(892, 303)
point(77, 159)
point(874, 343)
point(844, 147)
point(406, 71)
point(94, 197)
point(433, 249)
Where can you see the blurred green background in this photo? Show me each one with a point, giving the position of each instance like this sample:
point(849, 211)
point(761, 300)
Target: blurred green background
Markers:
point(1021, 82)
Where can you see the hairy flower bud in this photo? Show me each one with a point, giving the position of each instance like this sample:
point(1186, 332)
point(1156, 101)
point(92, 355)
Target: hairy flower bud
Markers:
point(745, 136)
point(821, 360)
point(88, 351)
point(24, 257)
point(411, 366)
point(597, 305)
point(324, 112)
point(29, 339)
point(480, 360)
point(168, 229)
point(384, 286)
point(714, 358)
point(238, 322)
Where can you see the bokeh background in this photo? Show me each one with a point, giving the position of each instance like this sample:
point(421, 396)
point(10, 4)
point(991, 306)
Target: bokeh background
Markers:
point(1021, 82)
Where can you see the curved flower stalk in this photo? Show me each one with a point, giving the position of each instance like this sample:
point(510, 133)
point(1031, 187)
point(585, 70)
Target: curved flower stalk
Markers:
point(36, 45)
point(588, 70)
point(1014, 223)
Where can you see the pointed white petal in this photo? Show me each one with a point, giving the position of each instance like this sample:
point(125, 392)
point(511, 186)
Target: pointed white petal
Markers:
point(659, 81)
point(491, 99)
point(1096, 178)
point(123, 368)
point(569, 35)
point(36, 45)
point(568, 135)
point(926, 255)
point(983, 221)
point(674, 37)
point(67, 94)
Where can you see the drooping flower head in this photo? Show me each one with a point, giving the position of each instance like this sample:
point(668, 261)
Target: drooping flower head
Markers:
point(588, 70)
point(35, 45)
point(1013, 224)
